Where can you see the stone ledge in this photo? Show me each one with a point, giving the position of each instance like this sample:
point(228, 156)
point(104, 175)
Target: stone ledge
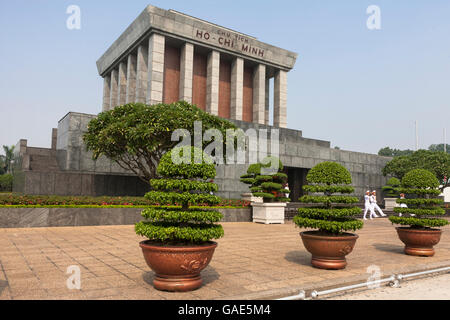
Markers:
point(72, 217)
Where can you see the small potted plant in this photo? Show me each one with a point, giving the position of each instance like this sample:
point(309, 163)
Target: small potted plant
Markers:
point(331, 214)
point(179, 242)
point(391, 193)
point(422, 205)
point(267, 184)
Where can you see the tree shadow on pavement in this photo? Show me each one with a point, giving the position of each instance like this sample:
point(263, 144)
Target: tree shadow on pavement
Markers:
point(393, 248)
point(299, 256)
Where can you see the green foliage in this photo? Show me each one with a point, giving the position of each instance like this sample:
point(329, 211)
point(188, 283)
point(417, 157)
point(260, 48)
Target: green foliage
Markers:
point(8, 159)
point(435, 161)
point(84, 201)
point(329, 173)
point(421, 204)
point(388, 152)
point(136, 135)
point(420, 178)
point(328, 189)
point(267, 182)
point(334, 214)
point(195, 167)
point(439, 147)
point(391, 187)
point(174, 232)
point(6, 182)
point(183, 184)
point(418, 222)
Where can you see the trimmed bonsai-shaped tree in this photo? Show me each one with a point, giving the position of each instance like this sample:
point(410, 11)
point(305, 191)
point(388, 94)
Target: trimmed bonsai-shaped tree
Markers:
point(176, 226)
point(391, 188)
point(331, 212)
point(422, 207)
point(267, 182)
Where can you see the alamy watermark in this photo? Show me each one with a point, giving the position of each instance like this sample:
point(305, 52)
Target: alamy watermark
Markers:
point(73, 22)
point(74, 281)
point(374, 20)
point(237, 147)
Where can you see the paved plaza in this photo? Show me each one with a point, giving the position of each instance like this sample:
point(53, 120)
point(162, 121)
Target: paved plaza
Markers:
point(252, 261)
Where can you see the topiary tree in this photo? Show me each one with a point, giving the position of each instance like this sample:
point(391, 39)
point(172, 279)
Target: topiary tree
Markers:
point(330, 213)
point(423, 186)
point(267, 182)
point(183, 184)
point(391, 187)
point(252, 171)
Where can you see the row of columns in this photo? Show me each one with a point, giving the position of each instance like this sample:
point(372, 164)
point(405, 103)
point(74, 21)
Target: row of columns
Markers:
point(140, 78)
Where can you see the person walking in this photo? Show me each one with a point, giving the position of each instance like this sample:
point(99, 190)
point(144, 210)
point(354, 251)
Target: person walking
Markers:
point(368, 206)
point(373, 201)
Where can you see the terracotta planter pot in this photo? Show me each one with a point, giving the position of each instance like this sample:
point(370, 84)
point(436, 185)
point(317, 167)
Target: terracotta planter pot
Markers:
point(177, 268)
point(328, 252)
point(419, 242)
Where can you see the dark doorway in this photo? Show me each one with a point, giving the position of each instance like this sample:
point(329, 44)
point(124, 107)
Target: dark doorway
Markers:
point(296, 180)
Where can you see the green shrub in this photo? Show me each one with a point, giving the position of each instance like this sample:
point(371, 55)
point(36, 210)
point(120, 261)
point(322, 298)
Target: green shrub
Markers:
point(391, 188)
point(105, 201)
point(184, 184)
point(265, 183)
point(422, 186)
point(6, 182)
point(335, 213)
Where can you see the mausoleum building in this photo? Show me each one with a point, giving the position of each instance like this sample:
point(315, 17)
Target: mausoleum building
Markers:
point(166, 56)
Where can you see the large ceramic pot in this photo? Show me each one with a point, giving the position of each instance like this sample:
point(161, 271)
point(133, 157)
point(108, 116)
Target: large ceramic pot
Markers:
point(328, 251)
point(419, 242)
point(177, 268)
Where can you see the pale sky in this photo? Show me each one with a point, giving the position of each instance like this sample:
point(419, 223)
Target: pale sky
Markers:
point(360, 89)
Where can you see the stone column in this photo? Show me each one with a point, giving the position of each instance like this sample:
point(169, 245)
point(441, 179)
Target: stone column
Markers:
point(267, 111)
point(106, 92)
point(155, 81)
point(113, 90)
point(122, 84)
point(131, 79)
point(141, 73)
point(186, 72)
point(237, 88)
point(259, 94)
point(280, 99)
point(212, 83)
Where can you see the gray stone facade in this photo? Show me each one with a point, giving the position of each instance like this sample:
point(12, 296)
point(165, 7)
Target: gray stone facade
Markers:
point(70, 169)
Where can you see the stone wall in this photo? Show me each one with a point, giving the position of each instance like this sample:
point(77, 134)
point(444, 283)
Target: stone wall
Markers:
point(79, 174)
point(70, 217)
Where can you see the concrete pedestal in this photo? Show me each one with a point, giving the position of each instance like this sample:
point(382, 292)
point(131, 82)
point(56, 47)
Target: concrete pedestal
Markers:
point(268, 213)
point(250, 197)
point(390, 204)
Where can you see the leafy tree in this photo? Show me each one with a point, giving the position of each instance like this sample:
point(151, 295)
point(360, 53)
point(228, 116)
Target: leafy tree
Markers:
point(182, 184)
point(424, 186)
point(434, 161)
point(439, 147)
point(136, 135)
point(330, 213)
point(8, 158)
point(388, 152)
point(2, 164)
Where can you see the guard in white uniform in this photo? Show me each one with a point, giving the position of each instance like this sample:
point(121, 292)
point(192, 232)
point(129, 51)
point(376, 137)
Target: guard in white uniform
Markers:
point(373, 201)
point(368, 206)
